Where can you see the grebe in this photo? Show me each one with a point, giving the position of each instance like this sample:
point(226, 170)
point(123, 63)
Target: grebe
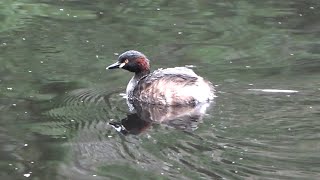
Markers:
point(170, 87)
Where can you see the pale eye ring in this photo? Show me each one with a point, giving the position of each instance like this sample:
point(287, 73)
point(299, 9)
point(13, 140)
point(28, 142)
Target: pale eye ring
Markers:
point(124, 63)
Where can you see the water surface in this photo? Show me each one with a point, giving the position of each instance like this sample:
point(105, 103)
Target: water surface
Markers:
point(57, 99)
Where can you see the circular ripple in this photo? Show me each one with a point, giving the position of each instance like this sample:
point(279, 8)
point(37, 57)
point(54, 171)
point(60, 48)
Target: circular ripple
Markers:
point(85, 110)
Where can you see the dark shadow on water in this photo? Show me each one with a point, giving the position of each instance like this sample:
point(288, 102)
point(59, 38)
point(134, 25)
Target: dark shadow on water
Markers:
point(184, 118)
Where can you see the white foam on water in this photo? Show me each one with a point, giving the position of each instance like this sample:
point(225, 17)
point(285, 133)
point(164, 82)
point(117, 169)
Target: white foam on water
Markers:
point(275, 90)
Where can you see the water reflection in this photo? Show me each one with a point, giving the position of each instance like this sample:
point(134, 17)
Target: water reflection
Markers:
point(184, 118)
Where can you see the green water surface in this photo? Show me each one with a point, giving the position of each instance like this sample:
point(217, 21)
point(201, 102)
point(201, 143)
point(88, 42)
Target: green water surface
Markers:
point(57, 99)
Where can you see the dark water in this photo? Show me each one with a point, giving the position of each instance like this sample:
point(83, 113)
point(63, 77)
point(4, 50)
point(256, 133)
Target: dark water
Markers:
point(57, 99)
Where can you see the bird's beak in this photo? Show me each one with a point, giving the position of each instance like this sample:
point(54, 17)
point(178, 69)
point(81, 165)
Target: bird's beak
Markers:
point(115, 66)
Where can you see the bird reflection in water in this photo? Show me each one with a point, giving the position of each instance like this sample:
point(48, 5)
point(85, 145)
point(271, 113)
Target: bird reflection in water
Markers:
point(143, 115)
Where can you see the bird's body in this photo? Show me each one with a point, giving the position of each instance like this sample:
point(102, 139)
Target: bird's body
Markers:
point(171, 86)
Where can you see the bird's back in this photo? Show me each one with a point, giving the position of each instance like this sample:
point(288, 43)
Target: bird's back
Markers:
point(173, 86)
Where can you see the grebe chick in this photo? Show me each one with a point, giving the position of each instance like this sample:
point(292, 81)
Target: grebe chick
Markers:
point(170, 87)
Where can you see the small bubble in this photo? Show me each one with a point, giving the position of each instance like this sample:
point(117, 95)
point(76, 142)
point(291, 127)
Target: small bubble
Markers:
point(25, 145)
point(236, 171)
point(162, 173)
point(31, 162)
point(16, 168)
point(26, 175)
point(300, 14)
point(289, 129)
point(26, 112)
point(233, 162)
point(41, 62)
point(94, 175)
point(97, 56)
point(158, 9)
point(179, 32)
point(241, 158)
point(190, 66)
point(10, 164)
point(68, 14)
point(87, 41)
point(24, 39)
point(29, 71)
point(174, 24)
point(230, 62)
point(310, 107)
point(72, 120)
point(279, 23)
point(311, 7)
point(14, 104)
point(75, 16)
point(291, 54)
point(100, 12)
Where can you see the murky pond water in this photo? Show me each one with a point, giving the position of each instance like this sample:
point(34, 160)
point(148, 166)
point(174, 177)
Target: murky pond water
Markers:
point(58, 104)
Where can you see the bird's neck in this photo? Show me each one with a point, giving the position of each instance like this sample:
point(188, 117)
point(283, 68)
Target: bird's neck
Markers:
point(134, 81)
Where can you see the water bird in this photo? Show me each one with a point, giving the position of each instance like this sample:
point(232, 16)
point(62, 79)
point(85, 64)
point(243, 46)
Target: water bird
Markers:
point(170, 87)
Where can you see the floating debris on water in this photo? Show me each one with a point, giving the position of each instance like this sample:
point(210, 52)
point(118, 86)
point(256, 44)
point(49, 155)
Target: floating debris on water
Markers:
point(275, 90)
